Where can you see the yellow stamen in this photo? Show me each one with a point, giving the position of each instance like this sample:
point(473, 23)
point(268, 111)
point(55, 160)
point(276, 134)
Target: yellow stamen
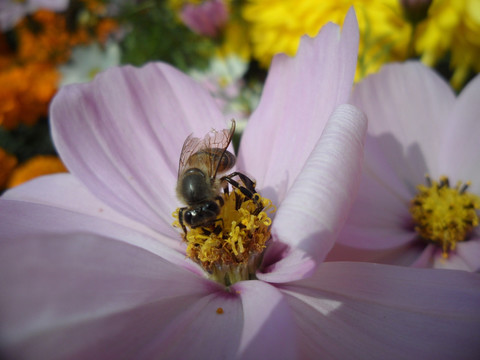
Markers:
point(230, 249)
point(444, 215)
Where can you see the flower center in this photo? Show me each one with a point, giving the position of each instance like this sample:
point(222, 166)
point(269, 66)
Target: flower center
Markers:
point(444, 215)
point(230, 249)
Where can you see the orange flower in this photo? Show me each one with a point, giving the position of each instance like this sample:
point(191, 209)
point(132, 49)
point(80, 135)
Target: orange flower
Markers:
point(95, 6)
point(36, 166)
point(48, 40)
point(25, 92)
point(104, 28)
point(28, 78)
point(7, 163)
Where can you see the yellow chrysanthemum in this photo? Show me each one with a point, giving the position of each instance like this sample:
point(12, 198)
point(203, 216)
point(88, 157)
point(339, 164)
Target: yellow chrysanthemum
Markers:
point(37, 166)
point(234, 41)
point(387, 32)
point(7, 164)
point(452, 26)
point(277, 26)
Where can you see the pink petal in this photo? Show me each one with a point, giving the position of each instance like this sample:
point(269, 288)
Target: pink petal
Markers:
point(400, 149)
point(122, 134)
point(300, 95)
point(469, 251)
point(208, 328)
point(461, 147)
point(356, 310)
point(466, 257)
point(206, 18)
point(21, 219)
point(64, 191)
point(317, 205)
point(425, 260)
point(407, 106)
point(268, 322)
point(380, 217)
point(72, 292)
point(406, 255)
point(81, 295)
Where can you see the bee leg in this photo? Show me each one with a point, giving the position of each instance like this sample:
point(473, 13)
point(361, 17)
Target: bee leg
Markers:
point(216, 227)
point(220, 200)
point(249, 183)
point(238, 201)
point(248, 190)
point(180, 220)
point(225, 187)
point(206, 231)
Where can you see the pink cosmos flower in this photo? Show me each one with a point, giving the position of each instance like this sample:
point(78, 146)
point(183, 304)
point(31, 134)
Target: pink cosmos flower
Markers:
point(12, 11)
point(417, 126)
point(90, 267)
point(206, 18)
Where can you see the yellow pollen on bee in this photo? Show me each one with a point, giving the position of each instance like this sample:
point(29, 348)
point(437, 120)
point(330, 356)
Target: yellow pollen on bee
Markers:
point(444, 215)
point(230, 248)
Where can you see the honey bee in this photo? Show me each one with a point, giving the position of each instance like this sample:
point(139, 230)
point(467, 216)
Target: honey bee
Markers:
point(199, 184)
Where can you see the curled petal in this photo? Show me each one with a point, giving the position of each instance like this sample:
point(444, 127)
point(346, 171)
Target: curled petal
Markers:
point(317, 205)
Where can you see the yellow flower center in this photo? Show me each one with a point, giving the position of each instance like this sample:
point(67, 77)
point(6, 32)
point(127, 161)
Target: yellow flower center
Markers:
point(230, 249)
point(444, 215)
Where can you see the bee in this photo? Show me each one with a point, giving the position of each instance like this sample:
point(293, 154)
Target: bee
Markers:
point(199, 184)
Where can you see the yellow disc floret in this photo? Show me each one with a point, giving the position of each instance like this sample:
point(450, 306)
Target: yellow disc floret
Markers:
point(230, 249)
point(444, 215)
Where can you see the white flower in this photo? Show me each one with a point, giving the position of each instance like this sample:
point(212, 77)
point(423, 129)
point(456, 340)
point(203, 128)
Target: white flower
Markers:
point(87, 61)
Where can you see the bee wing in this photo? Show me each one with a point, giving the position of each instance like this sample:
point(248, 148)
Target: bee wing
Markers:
point(190, 147)
point(214, 139)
